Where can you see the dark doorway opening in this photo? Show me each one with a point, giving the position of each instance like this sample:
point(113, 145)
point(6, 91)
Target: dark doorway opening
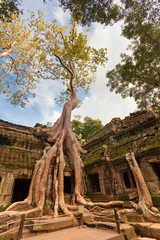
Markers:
point(94, 182)
point(67, 184)
point(21, 189)
point(156, 168)
point(128, 179)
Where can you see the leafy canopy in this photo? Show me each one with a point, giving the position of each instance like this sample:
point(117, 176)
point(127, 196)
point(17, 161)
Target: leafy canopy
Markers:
point(44, 50)
point(86, 128)
point(87, 11)
point(138, 75)
point(19, 55)
point(9, 7)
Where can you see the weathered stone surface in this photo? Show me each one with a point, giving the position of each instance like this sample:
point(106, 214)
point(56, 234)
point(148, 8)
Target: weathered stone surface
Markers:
point(145, 238)
point(135, 218)
point(138, 132)
point(155, 230)
point(52, 224)
point(80, 234)
point(144, 229)
point(128, 231)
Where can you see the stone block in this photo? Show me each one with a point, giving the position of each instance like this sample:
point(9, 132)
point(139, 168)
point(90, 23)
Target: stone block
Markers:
point(128, 231)
point(52, 224)
point(123, 218)
point(146, 238)
point(155, 230)
point(106, 225)
point(88, 218)
point(135, 218)
point(26, 233)
point(144, 229)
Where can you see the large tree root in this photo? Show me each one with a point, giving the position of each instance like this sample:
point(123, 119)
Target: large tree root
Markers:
point(145, 204)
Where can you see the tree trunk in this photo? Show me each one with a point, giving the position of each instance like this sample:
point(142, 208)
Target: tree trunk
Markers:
point(145, 204)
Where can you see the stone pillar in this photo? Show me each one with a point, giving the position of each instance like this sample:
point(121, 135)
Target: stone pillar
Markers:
point(6, 189)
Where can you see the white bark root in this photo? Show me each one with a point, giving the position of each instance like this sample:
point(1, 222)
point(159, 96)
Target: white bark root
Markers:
point(145, 204)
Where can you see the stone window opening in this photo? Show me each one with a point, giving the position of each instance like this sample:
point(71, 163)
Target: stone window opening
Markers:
point(20, 189)
point(128, 180)
point(94, 182)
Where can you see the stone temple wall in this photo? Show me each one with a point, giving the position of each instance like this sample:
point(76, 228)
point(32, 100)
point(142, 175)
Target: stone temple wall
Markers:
point(140, 133)
point(107, 175)
point(19, 150)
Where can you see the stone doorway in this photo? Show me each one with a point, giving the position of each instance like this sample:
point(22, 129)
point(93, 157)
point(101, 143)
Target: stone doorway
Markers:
point(94, 182)
point(20, 189)
point(67, 184)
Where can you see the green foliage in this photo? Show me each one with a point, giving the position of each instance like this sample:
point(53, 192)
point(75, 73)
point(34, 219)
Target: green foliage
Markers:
point(43, 50)
point(7, 8)
point(86, 128)
point(87, 11)
point(19, 55)
point(47, 125)
point(138, 75)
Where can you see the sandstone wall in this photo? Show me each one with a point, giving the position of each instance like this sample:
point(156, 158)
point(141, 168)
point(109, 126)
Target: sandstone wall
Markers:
point(139, 132)
point(105, 161)
point(19, 150)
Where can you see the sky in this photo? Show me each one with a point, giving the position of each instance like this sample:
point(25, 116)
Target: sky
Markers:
point(100, 103)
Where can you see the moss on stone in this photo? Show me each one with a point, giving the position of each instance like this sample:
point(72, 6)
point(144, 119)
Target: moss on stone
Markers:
point(3, 206)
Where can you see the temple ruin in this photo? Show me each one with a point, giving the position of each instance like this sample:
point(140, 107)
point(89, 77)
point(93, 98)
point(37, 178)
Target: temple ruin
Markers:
point(107, 175)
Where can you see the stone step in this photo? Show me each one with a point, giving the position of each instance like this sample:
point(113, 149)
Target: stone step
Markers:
point(99, 197)
point(27, 233)
point(52, 224)
point(149, 229)
point(77, 233)
point(135, 218)
point(145, 238)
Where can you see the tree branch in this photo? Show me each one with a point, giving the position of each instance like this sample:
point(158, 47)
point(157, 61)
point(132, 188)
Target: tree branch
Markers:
point(6, 53)
point(14, 63)
point(63, 65)
point(152, 39)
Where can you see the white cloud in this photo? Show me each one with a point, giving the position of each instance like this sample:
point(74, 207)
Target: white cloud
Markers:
point(61, 16)
point(45, 94)
point(52, 117)
point(104, 105)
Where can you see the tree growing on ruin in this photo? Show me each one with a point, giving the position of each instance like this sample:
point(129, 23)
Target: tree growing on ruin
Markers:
point(65, 56)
